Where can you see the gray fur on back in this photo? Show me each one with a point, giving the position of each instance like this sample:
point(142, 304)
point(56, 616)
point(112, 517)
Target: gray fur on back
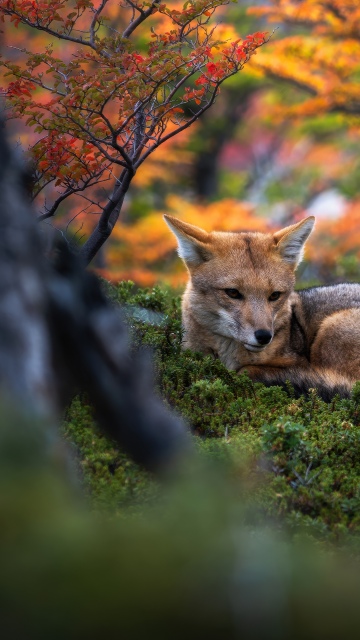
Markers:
point(318, 302)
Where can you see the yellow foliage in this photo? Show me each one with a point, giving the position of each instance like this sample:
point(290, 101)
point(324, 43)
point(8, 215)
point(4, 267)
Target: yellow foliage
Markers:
point(323, 60)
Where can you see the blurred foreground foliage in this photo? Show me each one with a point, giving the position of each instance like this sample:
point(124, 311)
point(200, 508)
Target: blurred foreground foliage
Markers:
point(237, 543)
point(191, 565)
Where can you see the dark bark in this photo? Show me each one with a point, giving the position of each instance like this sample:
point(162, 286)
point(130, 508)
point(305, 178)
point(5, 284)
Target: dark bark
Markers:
point(92, 349)
point(214, 133)
point(59, 334)
point(25, 354)
point(107, 220)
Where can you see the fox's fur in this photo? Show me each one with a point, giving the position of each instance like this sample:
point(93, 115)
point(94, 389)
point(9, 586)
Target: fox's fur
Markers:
point(310, 338)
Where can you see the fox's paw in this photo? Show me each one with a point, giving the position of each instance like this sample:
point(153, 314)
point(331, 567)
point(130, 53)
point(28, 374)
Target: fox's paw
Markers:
point(252, 371)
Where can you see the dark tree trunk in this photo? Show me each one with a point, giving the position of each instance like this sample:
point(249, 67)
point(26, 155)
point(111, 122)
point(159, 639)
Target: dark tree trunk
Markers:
point(214, 132)
point(59, 334)
point(26, 372)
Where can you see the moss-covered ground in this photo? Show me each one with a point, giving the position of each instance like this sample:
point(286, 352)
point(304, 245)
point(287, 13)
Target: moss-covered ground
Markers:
point(295, 461)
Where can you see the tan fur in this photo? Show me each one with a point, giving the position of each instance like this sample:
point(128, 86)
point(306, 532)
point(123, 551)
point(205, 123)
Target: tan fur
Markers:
point(315, 333)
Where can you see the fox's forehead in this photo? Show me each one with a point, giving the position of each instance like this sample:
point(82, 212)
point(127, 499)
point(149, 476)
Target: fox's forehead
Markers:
point(245, 260)
point(252, 248)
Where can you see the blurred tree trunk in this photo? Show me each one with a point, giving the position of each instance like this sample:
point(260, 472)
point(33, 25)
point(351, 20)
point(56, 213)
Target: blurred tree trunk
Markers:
point(25, 350)
point(59, 334)
point(215, 130)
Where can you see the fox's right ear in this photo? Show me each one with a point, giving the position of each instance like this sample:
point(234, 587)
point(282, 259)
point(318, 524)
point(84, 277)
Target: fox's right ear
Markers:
point(192, 241)
point(291, 240)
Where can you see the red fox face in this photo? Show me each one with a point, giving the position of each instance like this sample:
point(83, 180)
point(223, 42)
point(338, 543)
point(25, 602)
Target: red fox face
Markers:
point(240, 283)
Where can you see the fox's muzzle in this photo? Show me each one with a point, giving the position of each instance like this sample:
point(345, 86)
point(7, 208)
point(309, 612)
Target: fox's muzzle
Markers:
point(263, 336)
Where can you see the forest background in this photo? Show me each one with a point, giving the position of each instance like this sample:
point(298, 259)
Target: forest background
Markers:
point(280, 142)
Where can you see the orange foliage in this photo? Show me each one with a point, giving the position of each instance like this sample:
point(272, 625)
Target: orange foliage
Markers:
point(145, 251)
point(162, 165)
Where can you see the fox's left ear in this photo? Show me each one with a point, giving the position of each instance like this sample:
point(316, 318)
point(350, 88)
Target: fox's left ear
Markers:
point(291, 240)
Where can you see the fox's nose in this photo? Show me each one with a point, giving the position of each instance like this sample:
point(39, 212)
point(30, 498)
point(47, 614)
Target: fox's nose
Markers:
point(263, 336)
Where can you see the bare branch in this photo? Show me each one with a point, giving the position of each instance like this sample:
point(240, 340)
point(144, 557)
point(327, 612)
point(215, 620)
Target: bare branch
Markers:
point(94, 21)
point(92, 180)
point(290, 80)
point(107, 220)
point(335, 10)
point(140, 19)
point(139, 129)
point(39, 27)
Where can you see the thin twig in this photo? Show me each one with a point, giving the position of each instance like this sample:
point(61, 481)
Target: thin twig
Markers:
point(143, 16)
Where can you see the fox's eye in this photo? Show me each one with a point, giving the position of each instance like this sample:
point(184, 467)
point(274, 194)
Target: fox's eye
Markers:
point(234, 293)
point(275, 296)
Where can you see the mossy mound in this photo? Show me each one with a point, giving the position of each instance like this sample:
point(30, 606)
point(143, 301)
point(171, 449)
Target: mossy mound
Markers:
point(297, 460)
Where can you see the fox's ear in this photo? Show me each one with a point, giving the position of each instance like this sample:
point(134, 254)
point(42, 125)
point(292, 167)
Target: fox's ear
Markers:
point(192, 241)
point(291, 240)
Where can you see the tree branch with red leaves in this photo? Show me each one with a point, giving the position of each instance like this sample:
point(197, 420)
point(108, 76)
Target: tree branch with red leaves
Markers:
point(111, 99)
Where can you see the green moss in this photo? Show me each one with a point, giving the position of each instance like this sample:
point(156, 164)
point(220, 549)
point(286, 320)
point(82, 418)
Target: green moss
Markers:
point(299, 459)
point(110, 477)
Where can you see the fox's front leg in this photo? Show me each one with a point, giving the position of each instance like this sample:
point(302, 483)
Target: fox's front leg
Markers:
point(266, 375)
point(275, 368)
point(302, 378)
point(252, 371)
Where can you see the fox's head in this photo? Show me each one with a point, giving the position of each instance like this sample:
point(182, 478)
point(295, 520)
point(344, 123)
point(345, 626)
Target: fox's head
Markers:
point(240, 283)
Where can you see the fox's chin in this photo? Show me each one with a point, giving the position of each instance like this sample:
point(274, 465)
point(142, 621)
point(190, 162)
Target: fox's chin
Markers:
point(254, 348)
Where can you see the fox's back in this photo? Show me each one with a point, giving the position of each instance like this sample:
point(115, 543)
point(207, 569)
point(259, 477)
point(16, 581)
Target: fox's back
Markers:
point(319, 302)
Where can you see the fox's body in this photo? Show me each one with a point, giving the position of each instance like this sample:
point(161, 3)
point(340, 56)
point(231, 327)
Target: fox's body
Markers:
point(240, 306)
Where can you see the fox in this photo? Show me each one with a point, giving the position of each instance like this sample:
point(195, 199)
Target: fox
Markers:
point(240, 306)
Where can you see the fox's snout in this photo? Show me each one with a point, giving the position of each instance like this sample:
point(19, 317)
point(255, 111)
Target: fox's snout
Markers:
point(263, 336)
